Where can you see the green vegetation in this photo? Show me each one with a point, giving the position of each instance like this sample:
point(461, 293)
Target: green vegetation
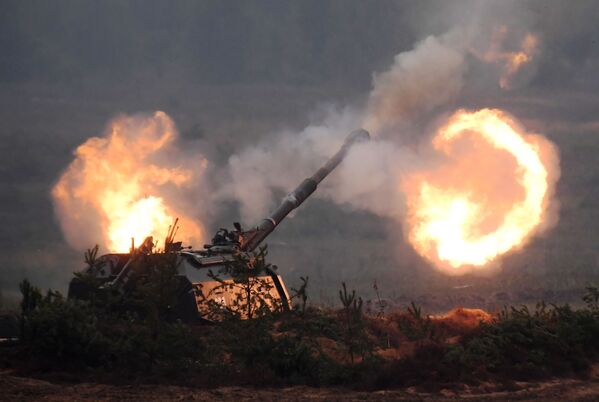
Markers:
point(518, 344)
point(306, 345)
point(523, 344)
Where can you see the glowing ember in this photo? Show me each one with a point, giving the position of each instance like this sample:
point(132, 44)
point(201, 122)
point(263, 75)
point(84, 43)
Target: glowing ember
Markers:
point(117, 188)
point(489, 197)
point(513, 61)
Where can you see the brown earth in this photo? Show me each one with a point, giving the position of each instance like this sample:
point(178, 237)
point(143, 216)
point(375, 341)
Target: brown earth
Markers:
point(15, 388)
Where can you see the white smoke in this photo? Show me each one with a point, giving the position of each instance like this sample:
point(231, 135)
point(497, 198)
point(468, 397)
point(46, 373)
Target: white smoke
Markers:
point(406, 102)
point(418, 83)
point(258, 173)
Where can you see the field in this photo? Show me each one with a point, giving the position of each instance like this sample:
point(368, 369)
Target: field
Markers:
point(18, 388)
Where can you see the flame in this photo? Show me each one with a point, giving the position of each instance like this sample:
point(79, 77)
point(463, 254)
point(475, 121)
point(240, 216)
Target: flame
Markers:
point(136, 219)
point(118, 188)
point(511, 61)
point(490, 196)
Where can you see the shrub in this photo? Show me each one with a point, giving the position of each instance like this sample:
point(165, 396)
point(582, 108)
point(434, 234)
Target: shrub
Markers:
point(354, 330)
point(64, 332)
point(414, 325)
point(521, 345)
point(304, 346)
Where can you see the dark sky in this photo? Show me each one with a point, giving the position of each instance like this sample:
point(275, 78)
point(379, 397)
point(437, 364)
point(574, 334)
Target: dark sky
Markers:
point(228, 72)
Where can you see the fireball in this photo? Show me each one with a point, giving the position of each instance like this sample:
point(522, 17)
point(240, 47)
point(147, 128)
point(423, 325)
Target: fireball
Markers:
point(127, 184)
point(487, 197)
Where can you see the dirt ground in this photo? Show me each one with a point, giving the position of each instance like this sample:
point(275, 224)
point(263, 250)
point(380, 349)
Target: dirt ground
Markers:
point(15, 388)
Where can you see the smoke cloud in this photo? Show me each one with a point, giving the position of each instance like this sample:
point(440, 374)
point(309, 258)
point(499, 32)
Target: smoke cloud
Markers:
point(407, 103)
point(418, 82)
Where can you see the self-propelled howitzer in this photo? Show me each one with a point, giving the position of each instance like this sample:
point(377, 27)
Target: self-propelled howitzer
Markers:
point(121, 272)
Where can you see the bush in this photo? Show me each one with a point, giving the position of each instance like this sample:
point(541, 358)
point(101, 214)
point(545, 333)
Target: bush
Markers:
point(523, 345)
point(65, 332)
point(307, 345)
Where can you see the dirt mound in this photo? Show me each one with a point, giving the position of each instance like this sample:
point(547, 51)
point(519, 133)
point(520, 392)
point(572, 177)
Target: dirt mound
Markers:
point(461, 320)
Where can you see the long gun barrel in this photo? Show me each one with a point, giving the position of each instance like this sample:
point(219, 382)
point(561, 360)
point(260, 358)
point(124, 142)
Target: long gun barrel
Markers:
point(299, 195)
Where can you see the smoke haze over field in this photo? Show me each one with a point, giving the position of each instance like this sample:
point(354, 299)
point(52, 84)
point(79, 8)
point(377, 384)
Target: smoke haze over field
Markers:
point(266, 91)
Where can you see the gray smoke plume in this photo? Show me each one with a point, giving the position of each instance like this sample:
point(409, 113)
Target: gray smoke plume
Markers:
point(418, 83)
point(406, 103)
